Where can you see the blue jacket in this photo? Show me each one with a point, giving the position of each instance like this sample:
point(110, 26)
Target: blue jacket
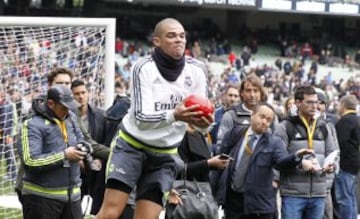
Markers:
point(259, 195)
point(41, 147)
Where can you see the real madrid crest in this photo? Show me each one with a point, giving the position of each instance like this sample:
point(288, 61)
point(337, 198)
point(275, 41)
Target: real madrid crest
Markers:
point(188, 82)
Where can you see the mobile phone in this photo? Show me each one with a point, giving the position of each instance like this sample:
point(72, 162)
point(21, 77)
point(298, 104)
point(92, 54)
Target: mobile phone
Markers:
point(225, 157)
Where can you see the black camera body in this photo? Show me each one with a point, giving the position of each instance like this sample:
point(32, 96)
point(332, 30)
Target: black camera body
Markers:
point(87, 148)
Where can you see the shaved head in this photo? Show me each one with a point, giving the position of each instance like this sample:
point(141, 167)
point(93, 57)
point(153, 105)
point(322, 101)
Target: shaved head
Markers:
point(169, 36)
point(160, 27)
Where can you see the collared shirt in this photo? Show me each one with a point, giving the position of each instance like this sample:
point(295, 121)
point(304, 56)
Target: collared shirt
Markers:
point(85, 121)
point(250, 133)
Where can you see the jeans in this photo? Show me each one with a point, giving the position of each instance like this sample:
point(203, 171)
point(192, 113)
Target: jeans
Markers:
point(345, 185)
point(298, 208)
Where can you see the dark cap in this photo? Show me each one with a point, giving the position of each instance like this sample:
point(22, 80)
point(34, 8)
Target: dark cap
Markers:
point(63, 95)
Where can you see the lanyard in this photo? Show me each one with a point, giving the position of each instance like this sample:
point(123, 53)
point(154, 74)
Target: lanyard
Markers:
point(62, 127)
point(310, 131)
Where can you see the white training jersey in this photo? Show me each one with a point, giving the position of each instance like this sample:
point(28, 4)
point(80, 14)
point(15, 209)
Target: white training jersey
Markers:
point(150, 118)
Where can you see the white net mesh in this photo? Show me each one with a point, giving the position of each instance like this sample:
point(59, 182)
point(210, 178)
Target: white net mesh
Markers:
point(27, 55)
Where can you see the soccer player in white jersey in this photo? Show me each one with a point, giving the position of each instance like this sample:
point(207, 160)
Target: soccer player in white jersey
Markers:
point(145, 149)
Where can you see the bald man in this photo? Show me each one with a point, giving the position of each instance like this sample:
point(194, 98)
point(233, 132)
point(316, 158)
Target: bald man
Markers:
point(145, 149)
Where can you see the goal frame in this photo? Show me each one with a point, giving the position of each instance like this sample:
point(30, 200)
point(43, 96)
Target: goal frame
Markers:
point(110, 34)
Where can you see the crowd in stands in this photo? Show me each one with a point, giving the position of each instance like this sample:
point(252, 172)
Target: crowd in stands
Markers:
point(280, 78)
point(26, 61)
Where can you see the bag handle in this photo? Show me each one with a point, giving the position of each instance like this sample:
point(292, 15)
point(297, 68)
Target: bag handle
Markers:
point(184, 174)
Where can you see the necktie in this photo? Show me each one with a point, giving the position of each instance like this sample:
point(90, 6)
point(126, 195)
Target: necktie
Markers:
point(241, 167)
point(249, 148)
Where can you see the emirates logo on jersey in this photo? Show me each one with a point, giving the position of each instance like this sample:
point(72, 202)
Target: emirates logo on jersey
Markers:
point(175, 99)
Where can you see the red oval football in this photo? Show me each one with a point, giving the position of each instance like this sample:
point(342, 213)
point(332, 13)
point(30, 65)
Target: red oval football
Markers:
point(204, 104)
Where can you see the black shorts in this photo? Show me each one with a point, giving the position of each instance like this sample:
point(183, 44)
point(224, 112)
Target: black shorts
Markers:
point(147, 170)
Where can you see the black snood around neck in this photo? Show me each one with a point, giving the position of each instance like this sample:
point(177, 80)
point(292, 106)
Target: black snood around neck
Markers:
point(169, 67)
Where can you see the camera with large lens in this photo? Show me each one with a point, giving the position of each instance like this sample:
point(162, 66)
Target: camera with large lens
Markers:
point(89, 160)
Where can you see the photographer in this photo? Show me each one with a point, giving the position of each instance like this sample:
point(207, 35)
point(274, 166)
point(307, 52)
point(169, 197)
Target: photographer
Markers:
point(48, 149)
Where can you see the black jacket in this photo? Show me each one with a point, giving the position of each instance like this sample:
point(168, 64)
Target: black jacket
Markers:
point(348, 133)
point(97, 124)
point(195, 152)
point(96, 132)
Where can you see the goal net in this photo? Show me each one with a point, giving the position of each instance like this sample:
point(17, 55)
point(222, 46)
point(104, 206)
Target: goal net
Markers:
point(29, 49)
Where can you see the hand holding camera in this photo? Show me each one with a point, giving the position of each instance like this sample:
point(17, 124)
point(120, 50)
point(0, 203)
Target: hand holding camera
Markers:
point(73, 154)
point(82, 151)
point(86, 147)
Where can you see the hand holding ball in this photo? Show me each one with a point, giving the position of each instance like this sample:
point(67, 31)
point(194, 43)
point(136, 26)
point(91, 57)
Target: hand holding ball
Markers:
point(205, 106)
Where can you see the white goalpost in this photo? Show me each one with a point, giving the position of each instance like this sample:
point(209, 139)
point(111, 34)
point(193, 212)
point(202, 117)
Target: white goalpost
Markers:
point(80, 25)
point(30, 47)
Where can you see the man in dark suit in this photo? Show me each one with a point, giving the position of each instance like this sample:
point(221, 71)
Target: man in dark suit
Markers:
point(249, 193)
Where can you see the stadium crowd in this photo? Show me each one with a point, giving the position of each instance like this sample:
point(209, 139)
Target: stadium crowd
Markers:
point(280, 78)
point(27, 60)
